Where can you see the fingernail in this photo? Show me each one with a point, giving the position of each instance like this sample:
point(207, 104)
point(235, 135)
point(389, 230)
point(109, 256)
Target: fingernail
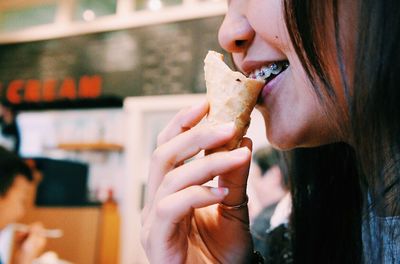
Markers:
point(240, 152)
point(220, 191)
point(226, 127)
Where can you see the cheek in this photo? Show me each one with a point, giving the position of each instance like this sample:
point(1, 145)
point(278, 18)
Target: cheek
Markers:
point(18, 210)
point(267, 19)
point(295, 118)
point(12, 214)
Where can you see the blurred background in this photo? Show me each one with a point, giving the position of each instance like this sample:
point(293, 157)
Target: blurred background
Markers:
point(85, 86)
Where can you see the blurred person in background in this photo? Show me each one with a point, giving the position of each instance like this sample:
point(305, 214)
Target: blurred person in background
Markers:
point(17, 185)
point(269, 228)
point(266, 173)
point(9, 132)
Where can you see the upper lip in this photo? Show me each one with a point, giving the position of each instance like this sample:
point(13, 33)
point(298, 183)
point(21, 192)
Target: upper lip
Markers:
point(248, 66)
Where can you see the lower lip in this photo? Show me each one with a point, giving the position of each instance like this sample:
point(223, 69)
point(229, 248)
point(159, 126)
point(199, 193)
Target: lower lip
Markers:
point(271, 85)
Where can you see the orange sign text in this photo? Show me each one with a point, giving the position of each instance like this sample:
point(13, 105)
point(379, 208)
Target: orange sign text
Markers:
point(35, 91)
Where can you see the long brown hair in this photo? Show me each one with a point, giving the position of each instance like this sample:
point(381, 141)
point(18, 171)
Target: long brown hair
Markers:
point(338, 189)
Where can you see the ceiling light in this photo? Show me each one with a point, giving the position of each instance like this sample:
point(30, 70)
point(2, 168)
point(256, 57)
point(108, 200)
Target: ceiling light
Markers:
point(154, 5)
point(88, 15)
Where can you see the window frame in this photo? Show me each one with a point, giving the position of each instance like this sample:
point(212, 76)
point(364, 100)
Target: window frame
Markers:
point(125, 17)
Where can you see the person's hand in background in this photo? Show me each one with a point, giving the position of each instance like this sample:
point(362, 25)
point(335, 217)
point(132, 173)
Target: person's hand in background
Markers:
point(29, 245)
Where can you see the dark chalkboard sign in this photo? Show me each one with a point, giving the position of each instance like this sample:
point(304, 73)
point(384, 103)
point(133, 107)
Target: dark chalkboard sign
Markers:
point(151, 60)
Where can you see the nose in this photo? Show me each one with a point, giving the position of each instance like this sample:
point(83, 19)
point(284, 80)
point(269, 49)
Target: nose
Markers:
point(235, 33)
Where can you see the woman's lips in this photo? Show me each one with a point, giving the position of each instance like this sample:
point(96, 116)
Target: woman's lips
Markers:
point(271, 85)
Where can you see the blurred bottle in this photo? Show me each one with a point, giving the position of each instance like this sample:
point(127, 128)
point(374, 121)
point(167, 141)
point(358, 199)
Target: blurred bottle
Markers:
point(109, 231)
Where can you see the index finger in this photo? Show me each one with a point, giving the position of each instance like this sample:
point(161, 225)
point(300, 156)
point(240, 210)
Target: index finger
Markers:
point(183, 121)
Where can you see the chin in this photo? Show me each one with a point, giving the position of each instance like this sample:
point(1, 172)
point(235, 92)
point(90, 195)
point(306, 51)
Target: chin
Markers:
point(285, 133)
point(289, 137)
point(281, 141)
point(298, 139)
point(280, 135)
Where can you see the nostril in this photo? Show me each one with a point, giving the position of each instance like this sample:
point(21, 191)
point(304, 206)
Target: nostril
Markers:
point(240, 43)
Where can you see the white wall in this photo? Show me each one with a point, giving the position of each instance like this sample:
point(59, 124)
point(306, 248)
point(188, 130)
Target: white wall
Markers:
point(42, 132)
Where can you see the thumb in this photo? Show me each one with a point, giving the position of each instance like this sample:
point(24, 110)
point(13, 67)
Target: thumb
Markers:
point(236, 181)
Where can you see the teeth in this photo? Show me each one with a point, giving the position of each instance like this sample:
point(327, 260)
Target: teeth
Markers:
point(276, 68)
point(266, 71)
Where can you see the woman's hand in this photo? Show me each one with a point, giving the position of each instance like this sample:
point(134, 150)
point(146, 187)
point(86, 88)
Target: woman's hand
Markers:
point(182, 221)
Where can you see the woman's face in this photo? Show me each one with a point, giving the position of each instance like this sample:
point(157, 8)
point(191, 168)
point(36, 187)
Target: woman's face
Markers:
point(14, 203)
point(254, 32)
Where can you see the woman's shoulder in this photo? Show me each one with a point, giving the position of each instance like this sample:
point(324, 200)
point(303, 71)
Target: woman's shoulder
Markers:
point(381, 233)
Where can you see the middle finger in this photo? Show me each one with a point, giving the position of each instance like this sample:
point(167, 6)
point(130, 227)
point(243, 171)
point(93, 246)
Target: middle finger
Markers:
point(202, 170)
point(183, 147)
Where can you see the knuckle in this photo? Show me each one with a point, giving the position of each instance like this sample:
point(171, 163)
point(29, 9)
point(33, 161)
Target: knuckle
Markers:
point(158, 155)
point(161, 210)
point(161, 138)
point(161, 157)
point(168, 181)
point(180, 117)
